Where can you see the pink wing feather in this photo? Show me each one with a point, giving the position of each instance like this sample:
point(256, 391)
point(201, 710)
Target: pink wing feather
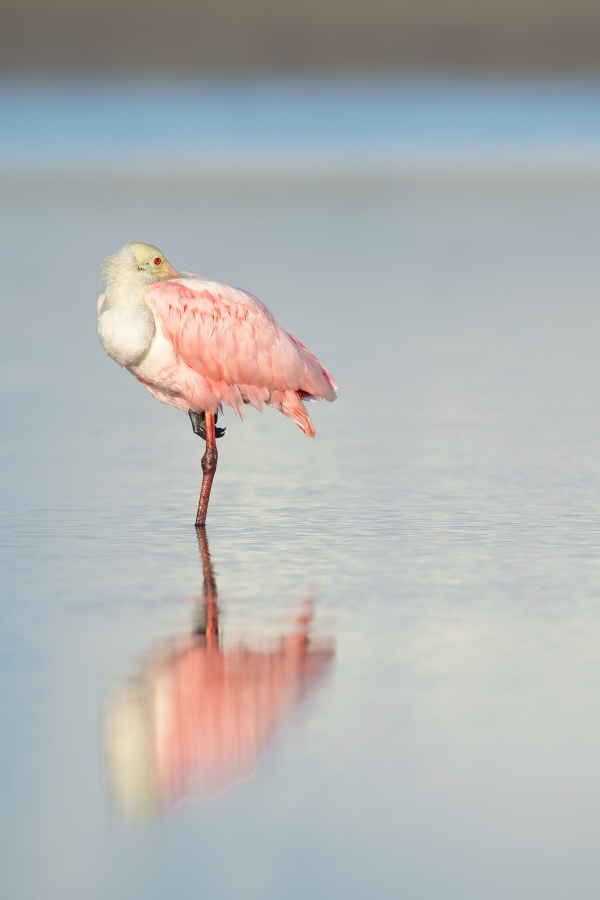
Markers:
point(232, 341)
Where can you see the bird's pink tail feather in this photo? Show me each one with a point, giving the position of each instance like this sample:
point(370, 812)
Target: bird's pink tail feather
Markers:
point(324, 388)
point(290, 404)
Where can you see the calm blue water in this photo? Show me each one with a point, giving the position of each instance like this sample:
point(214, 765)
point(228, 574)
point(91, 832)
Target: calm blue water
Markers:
point(293, 122)
point(438, 543)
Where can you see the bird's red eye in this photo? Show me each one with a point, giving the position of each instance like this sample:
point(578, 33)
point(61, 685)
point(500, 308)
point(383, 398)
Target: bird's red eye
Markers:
point(157, 260)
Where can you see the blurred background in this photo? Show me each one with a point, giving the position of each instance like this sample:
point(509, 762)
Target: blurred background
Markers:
point(236, 85)
point(382, 678)
point(205, 37)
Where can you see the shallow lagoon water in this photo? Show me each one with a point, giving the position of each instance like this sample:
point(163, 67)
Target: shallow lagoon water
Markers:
point(444, 527)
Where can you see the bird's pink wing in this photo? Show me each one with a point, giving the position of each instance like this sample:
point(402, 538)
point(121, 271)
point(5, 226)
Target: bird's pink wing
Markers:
point(231, 339)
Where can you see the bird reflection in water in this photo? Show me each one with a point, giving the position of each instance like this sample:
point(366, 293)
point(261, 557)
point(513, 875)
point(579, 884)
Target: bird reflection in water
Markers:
point(198, 717)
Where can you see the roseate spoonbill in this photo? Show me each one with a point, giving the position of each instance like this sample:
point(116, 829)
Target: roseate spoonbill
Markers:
point(198, 716)
point(197, 344)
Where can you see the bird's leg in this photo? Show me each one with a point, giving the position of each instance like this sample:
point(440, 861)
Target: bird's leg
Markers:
point(209, 467)
point(199, 424)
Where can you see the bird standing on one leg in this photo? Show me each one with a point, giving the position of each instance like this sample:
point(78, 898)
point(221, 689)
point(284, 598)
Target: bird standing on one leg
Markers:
point(197, 345)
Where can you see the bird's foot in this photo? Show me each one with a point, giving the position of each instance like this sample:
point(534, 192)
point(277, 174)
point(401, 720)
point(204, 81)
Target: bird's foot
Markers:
point(198, 421)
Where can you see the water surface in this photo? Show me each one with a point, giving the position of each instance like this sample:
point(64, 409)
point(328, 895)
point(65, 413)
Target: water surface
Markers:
point(443, 529)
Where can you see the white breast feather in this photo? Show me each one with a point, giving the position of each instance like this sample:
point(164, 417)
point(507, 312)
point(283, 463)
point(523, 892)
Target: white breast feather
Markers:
point(126, 333)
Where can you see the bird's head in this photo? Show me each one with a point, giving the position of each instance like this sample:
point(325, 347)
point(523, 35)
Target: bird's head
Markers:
point(150, 259)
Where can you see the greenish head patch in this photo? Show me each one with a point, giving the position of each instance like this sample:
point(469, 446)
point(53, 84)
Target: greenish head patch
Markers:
point(146, 254)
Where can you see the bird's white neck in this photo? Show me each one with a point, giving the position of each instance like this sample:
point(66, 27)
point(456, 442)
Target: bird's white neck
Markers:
point(126, 324)
point(126, 284)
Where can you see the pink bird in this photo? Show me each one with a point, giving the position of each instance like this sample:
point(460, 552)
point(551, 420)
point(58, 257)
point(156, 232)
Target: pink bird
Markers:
point(198, 345)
